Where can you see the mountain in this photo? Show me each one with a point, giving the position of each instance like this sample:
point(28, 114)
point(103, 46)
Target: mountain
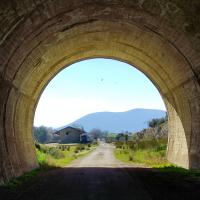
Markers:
point(115, 122)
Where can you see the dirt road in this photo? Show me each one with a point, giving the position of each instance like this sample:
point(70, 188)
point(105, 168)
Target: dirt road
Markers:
point(99, 176)
point(101, 157)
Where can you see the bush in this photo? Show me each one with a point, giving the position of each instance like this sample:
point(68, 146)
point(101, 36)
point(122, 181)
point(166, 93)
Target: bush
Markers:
point(80, 147)
point(130, 157)
point(56, 153)
point(76, 151)
point(162, 147)
point(157, 122)
point(89, 145)
point(64, 147)
point(37, 146)
point(132, 144)
point(119, 145)
point(147, 144)
point(151, 152)
point(95, 143)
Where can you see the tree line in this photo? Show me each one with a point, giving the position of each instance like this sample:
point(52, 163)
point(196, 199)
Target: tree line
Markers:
point(44, 134)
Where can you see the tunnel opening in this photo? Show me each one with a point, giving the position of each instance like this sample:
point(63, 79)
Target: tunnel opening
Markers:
point(99, 99)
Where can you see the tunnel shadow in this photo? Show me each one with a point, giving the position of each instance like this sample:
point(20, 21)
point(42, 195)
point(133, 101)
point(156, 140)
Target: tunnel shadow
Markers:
point(106, 184)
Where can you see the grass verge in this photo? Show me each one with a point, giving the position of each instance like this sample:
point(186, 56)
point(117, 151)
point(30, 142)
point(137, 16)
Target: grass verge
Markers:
point(153, 154)
point(25, 178)
point(148, 152)
point(51, 158)
point(61, 155)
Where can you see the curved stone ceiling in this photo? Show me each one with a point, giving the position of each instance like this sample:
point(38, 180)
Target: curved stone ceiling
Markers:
point(40, 38)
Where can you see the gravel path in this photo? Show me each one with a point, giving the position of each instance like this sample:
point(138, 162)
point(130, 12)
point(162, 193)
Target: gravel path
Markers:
point(101, 157)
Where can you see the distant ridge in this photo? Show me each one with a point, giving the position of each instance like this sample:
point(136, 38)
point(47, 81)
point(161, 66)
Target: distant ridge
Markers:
point(115, 122)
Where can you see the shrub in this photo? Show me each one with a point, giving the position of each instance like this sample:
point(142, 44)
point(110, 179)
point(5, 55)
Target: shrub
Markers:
point(156, 122)
point(64, 147)
point(80, 147)
point(146, 151)
point(56, 153)
point(37, 146)
point(68, 148)
point(130, 157)
point(119, 145)
point(162, 147)
point(89, 145)
point(131, 145)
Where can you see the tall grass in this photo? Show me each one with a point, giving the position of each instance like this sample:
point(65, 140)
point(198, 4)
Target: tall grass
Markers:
point(150, 152)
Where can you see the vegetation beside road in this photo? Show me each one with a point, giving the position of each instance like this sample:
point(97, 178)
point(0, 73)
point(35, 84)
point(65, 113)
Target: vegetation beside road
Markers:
point(51, 158)
point(147, 147)
point(150, 152)
point(18, 182)
point(62, 154)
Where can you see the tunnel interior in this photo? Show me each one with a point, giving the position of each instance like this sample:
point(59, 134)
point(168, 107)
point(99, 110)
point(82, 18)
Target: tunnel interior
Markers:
point(39, 38)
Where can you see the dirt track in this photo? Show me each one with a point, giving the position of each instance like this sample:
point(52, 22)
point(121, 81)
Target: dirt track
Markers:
point(99, 176)
point(101, 157)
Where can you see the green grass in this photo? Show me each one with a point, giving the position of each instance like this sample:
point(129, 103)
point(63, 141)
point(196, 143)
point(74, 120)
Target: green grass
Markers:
point(25, 178)
point(151, 153)
point(147, 157)
point(62, 155)
point(176, 174)
point(179, 170)
point(51, 158)
point(48, 159)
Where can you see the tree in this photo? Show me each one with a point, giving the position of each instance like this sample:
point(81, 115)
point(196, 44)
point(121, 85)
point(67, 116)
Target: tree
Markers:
point(43, 134)
point(157, 122)
point(126, 137)
point(96, 133)
point(110, 137)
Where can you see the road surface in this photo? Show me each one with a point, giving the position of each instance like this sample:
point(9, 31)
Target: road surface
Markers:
point(99, 176)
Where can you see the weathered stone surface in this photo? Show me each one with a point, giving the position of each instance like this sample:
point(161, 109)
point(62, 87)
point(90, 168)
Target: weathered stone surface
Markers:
point(39, 38)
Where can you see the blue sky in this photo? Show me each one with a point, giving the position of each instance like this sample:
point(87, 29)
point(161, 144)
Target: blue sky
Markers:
point(92, 86)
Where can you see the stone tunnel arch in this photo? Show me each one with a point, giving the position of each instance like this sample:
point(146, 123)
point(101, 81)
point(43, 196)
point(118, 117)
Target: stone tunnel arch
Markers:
point(40, 40)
